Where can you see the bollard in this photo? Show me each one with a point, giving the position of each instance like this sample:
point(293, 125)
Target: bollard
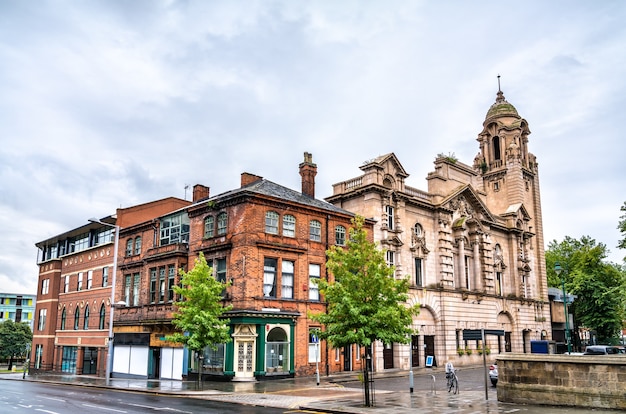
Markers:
point(433, 386)
point(411, 381)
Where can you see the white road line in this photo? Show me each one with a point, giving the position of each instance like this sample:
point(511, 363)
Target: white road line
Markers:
point(46, 411)
point(161, 408)
point(104, 408)
point(54, 399)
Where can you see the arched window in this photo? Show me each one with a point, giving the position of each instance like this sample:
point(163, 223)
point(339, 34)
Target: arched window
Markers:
point(76, 318)
point(315, 230)
point(496, 148)
point(277, 352)
point(418, 231)
point(86, 320)
point(138, 245)
point(102, 317)
point(340, 235)
point(289, 225)
point(222, 223)
point(129, 247)
point(63, 318)
point(209, 226)
point(271, 222)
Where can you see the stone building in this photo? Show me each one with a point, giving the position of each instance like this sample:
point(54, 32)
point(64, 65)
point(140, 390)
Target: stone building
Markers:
point(472, 244)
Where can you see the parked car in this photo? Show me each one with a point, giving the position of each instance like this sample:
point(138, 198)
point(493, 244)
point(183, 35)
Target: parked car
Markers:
point(493, 374)
point(603, 350)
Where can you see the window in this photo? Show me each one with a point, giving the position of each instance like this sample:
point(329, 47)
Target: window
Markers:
point(138, 245)
point(419, 281)
point(209, 227)
point(80, 281)
point(89, 279)
point(76, 318)
point(86, 321)
point(136, 283)
point(314, 277)
point(289, 226)
point(214, 358)
point(102, 317)
point(104, 236)
point(277, 352)
point(162, 284)
point(127, 285)
point(66, 288)
point(153, 285)
point(287, 279)
point(340, 235)
point(174, 229)
point(314, 342)
point(171, 281)
point(45, 286)
point(220, 270)
point(417, 230)
point(79, 243)
point(222, 223)
point(129, 247)
point(105, 276)
point(390, 257)
point(269, 278)
point(499, 283)
point(315, 230)
point(63, 318)
point(271, 222)
point(466, 271)
point(38, 355)
point(389, 214)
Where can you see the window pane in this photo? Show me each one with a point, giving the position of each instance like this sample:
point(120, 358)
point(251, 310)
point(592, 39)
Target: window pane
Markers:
point(269, 278)
point(287, 279)
point(271, 222)
point(289, 226)
point(340, 235)
point(314, 275)
point(315, 230)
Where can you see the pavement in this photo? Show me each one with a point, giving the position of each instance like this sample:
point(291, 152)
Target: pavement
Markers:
point(330, 396)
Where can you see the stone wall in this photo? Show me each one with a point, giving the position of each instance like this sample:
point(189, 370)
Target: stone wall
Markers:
point(563, 380)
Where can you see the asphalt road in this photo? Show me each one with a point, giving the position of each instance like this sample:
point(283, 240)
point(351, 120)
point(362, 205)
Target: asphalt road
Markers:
point(25, 397)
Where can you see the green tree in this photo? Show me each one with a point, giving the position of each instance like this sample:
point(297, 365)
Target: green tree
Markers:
point(600, 286)
point(365, 302)
point(15, 340)
point(198, 314)
point(621, 226)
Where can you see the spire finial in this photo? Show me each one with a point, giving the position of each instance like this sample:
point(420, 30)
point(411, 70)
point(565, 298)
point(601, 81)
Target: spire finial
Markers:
point(499, 90)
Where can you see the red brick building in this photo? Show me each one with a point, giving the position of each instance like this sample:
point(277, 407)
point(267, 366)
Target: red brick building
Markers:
point(76, 274)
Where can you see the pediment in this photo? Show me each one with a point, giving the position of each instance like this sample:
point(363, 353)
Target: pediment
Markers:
point(466, 205)
point(389, 163)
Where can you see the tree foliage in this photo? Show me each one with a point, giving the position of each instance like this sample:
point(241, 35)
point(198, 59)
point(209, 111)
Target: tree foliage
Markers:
point(198, 313)
point(621, 226)
point(600, 287)
point(365, 302)
point(15, 339)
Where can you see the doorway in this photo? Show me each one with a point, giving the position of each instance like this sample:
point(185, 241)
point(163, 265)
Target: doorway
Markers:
point(415, 351)
point(429, 348)
point(347, 358)
point(90, 361)
point(388, 356)
point(154, 367)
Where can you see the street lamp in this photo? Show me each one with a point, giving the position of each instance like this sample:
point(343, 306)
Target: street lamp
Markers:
point(558, 270)
point(112, 304)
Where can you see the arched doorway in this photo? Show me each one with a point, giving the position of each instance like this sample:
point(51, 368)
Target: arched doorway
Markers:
point(277, 352)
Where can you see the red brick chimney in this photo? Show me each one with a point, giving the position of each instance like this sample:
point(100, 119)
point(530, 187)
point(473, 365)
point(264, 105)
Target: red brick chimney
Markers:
point(247, 178)
point(308, 171)
point(200, 192)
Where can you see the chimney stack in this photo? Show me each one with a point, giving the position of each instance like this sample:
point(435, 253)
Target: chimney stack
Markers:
point(200, 192)
point(247, 179)
point(308, 171)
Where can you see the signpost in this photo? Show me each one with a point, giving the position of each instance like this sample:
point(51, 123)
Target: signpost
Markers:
point(479, 334)
point(316, 341)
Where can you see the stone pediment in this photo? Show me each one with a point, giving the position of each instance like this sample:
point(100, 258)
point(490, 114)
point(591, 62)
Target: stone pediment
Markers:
point(516, 216)
point(393, 241)
point(466, 205)
point(388, 163)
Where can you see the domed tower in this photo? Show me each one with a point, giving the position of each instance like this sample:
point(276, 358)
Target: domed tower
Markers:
point(510, 181)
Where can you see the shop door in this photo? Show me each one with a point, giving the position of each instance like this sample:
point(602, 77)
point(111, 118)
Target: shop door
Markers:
point(388, 356)
point(245, 359)
point(154, 367)
point(90, 361)
point(415, 351)
point(429, 348)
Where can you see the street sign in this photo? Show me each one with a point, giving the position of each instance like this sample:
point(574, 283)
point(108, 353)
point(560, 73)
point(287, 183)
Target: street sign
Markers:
point(476, 334)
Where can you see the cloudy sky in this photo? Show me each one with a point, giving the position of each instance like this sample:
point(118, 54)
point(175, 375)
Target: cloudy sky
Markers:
point(108, 104)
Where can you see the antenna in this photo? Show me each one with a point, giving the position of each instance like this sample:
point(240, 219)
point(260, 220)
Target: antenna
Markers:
point(499, 83)
point(186, 187)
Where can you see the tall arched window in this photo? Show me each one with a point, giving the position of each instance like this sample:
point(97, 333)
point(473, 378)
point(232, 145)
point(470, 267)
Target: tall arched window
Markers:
point(209, 226)
point(63, 318)
point(496, 148)
point(289, 225)
point(138, 245)
point(102, 317)
point(340, 235)
point(315, 230)
point(129, 247)
point(86, 320)
point(271, 222)
point(222, 223)
point(76, 318)
point(277, 352)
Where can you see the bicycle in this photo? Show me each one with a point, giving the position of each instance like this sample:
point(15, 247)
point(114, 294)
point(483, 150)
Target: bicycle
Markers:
point(453, 382)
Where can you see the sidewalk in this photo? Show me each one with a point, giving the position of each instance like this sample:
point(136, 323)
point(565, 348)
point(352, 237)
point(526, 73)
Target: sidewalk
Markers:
point(303, 393)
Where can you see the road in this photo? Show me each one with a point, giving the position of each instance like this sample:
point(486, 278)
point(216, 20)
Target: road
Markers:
point(25, 397)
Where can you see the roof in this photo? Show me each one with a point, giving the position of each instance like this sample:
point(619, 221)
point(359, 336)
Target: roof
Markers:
point(271, 189)
point(501, 108)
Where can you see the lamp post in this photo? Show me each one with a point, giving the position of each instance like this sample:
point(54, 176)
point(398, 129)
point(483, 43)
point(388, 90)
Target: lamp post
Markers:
point(558, 270)
point(112, 304)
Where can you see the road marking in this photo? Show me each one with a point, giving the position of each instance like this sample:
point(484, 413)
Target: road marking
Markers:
point(104, 408)
point(46, 411)
point(161, 408)
point(54, 399)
